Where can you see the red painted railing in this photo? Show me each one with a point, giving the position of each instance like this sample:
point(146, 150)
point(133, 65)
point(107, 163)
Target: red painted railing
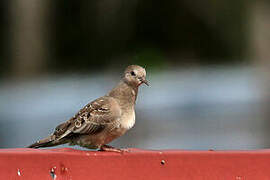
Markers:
point(66, 163)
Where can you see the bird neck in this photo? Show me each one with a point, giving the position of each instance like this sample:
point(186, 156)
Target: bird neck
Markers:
point(125, 93)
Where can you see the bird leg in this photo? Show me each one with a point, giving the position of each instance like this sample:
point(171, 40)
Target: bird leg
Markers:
point(112, 149)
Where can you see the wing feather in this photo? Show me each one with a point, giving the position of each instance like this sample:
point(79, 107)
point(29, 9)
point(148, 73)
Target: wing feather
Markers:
point(91, 119)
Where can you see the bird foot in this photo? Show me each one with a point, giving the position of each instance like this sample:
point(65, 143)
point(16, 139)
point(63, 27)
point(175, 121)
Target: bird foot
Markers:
point(112, 149)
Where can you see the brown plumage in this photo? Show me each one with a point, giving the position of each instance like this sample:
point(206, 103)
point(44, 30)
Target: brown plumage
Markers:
point(103, 119)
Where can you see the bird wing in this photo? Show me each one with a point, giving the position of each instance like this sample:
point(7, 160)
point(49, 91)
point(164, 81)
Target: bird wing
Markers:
point(91, 119)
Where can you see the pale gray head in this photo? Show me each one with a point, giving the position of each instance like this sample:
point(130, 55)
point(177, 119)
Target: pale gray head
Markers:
point(135, 75)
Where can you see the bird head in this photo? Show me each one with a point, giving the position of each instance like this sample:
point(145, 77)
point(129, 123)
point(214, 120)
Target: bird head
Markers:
point(135, 75)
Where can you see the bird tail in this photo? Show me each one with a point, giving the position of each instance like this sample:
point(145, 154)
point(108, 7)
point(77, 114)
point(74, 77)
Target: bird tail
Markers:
point(47, 142)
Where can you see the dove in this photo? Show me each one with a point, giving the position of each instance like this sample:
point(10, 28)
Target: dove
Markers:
point(102, 120)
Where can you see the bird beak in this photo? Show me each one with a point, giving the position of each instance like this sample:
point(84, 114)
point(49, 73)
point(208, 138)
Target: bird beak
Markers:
point(145, 82)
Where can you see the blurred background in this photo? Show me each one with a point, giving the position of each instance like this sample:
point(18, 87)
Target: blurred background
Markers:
point(207, 63)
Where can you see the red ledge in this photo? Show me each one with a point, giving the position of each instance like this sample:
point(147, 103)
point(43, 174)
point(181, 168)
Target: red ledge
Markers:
point(67, 163)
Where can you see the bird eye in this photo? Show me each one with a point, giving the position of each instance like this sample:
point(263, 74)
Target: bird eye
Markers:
point(132, 73)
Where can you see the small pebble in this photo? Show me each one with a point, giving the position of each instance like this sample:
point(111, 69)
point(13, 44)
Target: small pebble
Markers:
point(162, 162)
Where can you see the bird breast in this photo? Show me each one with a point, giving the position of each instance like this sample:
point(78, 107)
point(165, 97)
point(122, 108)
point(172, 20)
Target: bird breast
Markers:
point(128, 120)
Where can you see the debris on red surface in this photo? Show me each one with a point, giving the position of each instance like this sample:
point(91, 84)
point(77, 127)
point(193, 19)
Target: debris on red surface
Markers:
point(66, 163)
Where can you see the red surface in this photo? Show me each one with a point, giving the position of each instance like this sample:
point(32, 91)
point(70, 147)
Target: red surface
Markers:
point(138, 164)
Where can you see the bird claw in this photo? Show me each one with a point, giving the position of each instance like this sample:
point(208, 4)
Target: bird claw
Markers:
point(125, 150)
point(113, 149)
